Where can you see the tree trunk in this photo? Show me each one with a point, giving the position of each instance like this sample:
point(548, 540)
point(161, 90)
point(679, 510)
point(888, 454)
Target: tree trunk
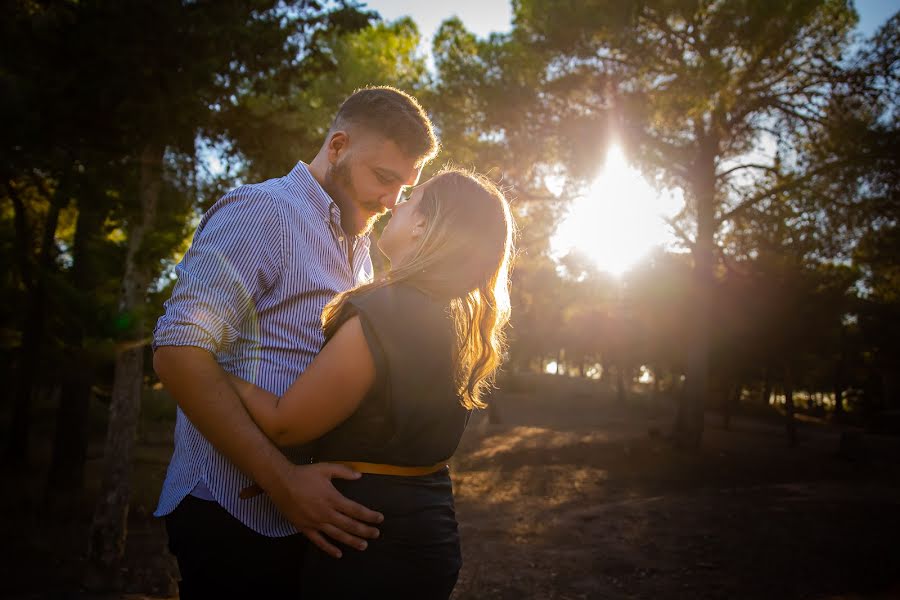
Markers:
point(767, 388)
point(71, 440)
point(109, 525)
point(889, 385)
point(66, 476)
point(838, 400)
point(697, 381)
point(34, 281)
point(790, 421)
point(731, 401)
point(621, 391)
point(26, 372)
point(493, 413)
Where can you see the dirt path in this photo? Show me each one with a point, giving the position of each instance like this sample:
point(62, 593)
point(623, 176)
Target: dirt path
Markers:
point(575, 511)
point(574, 497)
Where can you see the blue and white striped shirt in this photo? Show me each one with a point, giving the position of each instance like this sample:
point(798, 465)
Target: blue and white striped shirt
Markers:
point(264, 261)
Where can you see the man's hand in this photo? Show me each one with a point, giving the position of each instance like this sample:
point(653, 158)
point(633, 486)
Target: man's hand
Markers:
point(303, 493)
point(307, 498)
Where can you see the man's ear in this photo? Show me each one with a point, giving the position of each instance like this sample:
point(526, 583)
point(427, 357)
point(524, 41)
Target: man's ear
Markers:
point(338, 145)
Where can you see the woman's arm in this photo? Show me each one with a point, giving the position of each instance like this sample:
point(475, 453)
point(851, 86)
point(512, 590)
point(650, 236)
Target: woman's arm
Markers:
point(327, 392)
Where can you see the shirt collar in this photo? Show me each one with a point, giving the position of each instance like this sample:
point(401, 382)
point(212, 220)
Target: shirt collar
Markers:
point(321, 201)
point(314, 192)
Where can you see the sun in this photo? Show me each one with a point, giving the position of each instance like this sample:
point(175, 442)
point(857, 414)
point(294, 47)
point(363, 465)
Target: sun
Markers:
point(619, 220)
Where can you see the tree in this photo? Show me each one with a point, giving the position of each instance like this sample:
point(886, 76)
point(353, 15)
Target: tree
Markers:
point(860, 200)
point(148, 79)
point(35, 178)
point(694, 90)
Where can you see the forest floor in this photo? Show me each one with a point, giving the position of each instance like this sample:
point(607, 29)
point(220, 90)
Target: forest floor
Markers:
point(571, 496)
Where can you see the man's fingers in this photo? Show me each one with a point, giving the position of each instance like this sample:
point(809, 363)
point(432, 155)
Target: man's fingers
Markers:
point(340, 471)
point(353, 527)
point(251, 491)
point(343, 537)
point(358, 511)
point(319, 540)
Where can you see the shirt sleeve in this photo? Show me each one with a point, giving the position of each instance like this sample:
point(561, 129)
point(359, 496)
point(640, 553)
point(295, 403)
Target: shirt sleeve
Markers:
point(236, 257)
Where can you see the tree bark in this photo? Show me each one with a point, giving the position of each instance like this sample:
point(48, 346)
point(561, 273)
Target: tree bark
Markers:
point(493, 411)
point(70, 443)
point(33, 275)
point(767, 388)
point(731, 401)
point(691, 423)
point(838, 397)
point(621, 391)
point(66, 476)
point(790, 421)
point(109, 525)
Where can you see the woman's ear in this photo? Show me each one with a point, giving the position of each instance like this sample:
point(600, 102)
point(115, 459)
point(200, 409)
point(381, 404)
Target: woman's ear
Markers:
point(418, 229)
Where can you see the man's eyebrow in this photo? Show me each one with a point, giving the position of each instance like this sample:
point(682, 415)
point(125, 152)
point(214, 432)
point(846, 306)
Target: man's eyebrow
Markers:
point(388, 173)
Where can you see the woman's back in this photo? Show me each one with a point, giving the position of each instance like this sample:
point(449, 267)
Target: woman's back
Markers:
point(411, 417)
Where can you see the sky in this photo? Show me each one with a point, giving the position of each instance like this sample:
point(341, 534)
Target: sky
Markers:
point(872, 13)
point(482, 17)
point(613, 233)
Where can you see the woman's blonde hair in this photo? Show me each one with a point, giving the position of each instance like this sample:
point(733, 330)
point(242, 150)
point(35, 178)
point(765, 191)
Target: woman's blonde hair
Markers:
point(463, 258)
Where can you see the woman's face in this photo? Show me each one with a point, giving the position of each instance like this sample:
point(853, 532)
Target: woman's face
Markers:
point(403, 232)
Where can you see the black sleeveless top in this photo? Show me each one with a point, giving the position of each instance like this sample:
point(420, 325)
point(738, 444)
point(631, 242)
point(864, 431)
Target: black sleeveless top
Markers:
point(412, 416)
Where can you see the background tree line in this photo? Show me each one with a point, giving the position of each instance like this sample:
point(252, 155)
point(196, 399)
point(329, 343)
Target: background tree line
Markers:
point(779, 127)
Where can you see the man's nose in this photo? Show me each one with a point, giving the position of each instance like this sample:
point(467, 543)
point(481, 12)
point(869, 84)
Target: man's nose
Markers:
point(389, 200)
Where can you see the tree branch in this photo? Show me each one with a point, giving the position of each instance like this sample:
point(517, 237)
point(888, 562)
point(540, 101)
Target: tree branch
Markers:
point(782, 187)
point(725, 174)
point(20, 219)
point(681, 233)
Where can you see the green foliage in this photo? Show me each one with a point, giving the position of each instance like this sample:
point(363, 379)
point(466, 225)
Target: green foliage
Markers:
point(270, 127)
point(782, 136)
point(782, 139)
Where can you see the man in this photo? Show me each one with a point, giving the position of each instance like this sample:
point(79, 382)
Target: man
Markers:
point(264, 261)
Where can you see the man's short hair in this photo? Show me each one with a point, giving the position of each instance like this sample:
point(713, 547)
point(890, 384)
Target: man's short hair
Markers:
point(393, 114)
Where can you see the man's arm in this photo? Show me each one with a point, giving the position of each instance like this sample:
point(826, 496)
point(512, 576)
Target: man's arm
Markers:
point(303, 493)
point(323, 397)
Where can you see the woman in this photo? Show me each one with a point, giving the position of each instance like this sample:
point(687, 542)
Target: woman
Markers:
point(405, 361)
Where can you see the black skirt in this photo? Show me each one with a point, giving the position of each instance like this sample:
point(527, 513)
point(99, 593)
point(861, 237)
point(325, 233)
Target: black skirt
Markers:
point(417, 554)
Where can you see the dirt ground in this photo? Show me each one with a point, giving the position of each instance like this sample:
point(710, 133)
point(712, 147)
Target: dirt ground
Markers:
point(574, 496)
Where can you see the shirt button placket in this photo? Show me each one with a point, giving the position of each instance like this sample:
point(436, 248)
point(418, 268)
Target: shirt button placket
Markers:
point(341, 238)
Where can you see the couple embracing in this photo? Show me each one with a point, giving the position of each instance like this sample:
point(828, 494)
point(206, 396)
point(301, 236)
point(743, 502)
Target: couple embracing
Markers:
point(317, 407)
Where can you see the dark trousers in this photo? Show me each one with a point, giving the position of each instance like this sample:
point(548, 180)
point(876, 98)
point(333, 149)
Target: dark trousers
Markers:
point(220, 557)
point(416, 557)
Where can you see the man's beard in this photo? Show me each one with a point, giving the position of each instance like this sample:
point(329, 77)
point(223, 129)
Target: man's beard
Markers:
point(339, 185)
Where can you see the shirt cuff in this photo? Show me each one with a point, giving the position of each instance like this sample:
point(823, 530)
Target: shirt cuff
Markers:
point(184, 334)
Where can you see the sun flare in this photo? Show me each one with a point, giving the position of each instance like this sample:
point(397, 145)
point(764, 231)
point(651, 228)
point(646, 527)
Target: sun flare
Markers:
point(619, 220)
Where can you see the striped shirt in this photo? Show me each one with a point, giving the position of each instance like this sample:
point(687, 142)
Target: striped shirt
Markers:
point(264, 261)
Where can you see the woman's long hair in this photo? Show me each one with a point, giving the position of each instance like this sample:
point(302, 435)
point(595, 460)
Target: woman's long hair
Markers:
point(463, 258)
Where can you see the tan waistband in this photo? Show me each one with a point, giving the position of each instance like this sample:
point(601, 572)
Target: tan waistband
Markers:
point(383, 469)
point(363, 467)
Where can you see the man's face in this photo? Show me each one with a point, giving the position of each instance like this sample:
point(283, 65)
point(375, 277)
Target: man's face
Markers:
point(366, 176)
